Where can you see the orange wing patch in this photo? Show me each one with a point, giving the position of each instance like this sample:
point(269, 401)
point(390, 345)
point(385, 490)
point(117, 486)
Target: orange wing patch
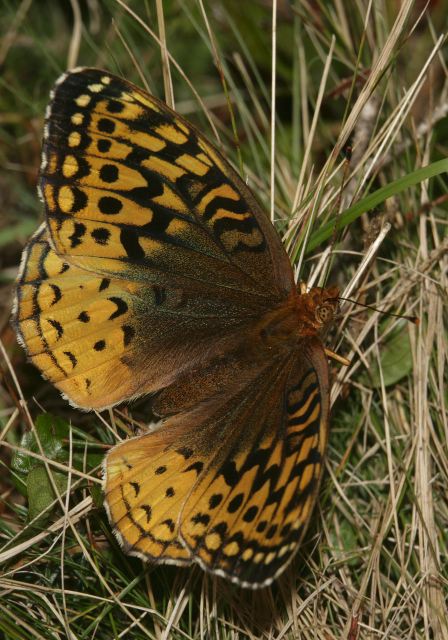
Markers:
point(146, 485)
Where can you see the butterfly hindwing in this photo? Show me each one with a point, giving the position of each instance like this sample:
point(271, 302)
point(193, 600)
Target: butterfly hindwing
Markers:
point(243, 503)
point(74, 325)
point(146, 486)
point(260, 500)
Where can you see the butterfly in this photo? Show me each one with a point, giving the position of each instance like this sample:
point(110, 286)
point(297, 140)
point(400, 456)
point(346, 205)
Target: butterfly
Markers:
point(157, 272)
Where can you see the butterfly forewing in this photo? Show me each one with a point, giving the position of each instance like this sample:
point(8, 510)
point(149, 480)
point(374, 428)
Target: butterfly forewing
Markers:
point(125, 178)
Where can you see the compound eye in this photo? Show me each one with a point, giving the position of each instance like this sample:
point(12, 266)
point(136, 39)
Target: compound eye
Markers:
point(324, 314)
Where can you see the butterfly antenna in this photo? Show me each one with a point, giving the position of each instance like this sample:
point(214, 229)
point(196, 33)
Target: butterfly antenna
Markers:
point(344, 361)
point(414, 319)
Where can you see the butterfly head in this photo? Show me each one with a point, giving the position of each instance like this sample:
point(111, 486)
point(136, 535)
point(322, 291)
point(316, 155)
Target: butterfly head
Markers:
point(317, 308)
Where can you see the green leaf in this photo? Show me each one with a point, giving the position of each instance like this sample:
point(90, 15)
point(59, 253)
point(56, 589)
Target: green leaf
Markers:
point(97, 495)
point(395, 360)
point(52, 432)
point(40, 491)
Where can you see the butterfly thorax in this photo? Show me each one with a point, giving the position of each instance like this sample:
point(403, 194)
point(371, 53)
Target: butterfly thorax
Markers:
point(300, 315)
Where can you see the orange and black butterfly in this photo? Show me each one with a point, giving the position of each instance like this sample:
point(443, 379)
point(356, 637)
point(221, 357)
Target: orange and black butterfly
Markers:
point(156, 272)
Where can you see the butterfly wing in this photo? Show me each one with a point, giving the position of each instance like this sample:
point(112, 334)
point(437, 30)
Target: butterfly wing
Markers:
point(231, 481)
point(125, 178)
point(154, 255)
point(152, 270)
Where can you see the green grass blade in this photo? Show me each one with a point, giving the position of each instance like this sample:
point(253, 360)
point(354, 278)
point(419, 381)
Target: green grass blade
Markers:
point(374, 199)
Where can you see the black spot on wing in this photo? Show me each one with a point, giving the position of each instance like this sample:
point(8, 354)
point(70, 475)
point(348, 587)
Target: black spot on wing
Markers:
point(128, 334)
point(56, 325)
point(109, 173)
point(160, 470)
point(101, 235)
point(103, 145)
point(261, 526)
point(71, 357)
point(148, 511)
point(105, 125)
point(79, 230)
point(108, 205)
point(100, 345)
point(250, 514)
point(215, 500)
point(136, 487)
point(230, 473)
point(170, 524)
point(235, 503)
point(104, 284)
point(57, 293)
point(201, 518)
point(196, 466)
point(121, 305)
point(114, 106)
point(130, 241)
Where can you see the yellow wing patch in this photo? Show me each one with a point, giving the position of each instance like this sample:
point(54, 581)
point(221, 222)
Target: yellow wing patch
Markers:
point(75, 326)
